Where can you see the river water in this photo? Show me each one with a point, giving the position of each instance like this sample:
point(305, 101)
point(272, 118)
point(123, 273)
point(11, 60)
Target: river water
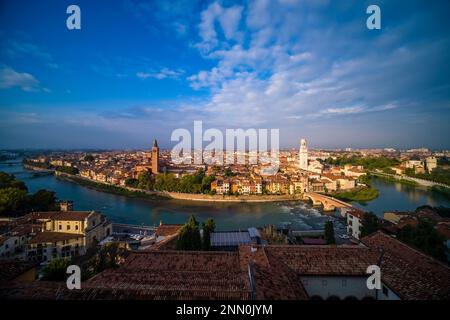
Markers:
point(228, 216)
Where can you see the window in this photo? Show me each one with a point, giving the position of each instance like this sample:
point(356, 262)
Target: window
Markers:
point(76, 227)
point(60, 227)
point(68, 227)
point(385, 291)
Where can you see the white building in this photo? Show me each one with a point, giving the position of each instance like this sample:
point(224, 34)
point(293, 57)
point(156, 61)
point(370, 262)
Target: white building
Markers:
point(431, 163)
point(354, 223)
point(303, 155)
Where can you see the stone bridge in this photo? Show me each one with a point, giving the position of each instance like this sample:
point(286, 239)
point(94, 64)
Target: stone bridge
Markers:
point(328, 203)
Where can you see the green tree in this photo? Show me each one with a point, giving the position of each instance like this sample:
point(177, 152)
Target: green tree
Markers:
point(145, 181)
point(208, 227)
point(329, 232)
point(370, 224)
point(109, 256)
point(55, 270)
point(89, 157)
point(131, 182)
point(228, 172)
point(67, 169)
point(12, 201)
point(424, 237)
point(9, 181)
point(166, 182)
point(43, 200)
point(206, 183)
point(189, 236)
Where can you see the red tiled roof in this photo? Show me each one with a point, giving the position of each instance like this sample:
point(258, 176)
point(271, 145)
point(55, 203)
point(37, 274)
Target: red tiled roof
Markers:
point(165, 230)
point(174, 275)
point(12, 269)
point(273, 279)
point(48, 237)
point(410, 273)
point(63, 215)
point(313, 241)
point(325, 260)
point(444, 230)
point(356, 213)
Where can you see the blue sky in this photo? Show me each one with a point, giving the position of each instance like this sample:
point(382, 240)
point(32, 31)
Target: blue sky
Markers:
point(139, 69)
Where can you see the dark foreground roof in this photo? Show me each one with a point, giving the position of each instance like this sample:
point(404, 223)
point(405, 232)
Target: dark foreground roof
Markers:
point(261, 272)
point(11, 269)
point(410, 273)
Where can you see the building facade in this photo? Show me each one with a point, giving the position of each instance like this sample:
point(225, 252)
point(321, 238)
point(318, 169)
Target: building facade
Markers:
point(303, 155)
point(155, 157)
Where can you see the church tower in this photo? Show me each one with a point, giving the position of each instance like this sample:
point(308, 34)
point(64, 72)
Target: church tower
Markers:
point(303, 155)
point(155, 157)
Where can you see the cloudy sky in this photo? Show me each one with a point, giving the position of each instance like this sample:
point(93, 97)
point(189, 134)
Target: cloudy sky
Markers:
point(139, 69)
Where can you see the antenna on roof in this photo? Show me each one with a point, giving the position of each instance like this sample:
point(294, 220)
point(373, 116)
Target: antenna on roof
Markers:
point(251, 279)
point(380, 258)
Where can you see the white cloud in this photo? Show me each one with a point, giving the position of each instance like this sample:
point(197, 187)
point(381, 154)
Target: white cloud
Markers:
point(161, 74)
point(290, 70)
point(228, 19)
point(9, 78)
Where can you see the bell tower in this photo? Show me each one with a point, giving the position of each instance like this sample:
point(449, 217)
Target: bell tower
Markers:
point(155, 157)
point(303, 155)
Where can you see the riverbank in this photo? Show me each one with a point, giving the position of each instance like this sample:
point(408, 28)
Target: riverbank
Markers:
point(399, 180)
point(407, 179)
point(103, 187)
point(39, 169)
point(161, 195)
point(441, 190)
point(360, 195)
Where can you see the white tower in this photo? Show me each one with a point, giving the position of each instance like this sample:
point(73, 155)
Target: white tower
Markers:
point(303, 155)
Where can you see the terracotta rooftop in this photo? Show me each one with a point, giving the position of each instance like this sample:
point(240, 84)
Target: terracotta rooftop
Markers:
point(325, 260)
point(12, 269)
point(47, 237)
point(271, 277)
point(165, 230)
point(356, 213)
point(444, 230)
point(408, 272)
point(276, 273)
point(62, 215)
point(173, 275)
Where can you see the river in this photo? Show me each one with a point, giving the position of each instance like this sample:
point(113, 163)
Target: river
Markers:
point(228, 216)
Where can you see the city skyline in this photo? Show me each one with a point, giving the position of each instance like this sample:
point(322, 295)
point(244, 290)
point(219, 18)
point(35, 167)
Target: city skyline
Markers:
point(139, 70)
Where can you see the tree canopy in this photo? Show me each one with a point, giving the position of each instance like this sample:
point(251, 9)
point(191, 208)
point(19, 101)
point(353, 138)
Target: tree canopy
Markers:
point(424, 237)
point(370, 224)
point(208, 227)
point(15, 201)
point(189, 236)
point(55, 270)
point(329, 232)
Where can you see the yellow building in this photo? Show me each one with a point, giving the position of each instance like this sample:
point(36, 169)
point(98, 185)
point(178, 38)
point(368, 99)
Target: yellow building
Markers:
point(93, 225)
point(46, 246)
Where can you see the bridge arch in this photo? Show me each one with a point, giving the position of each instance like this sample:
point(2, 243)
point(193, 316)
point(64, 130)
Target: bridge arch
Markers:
point(328, 203)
